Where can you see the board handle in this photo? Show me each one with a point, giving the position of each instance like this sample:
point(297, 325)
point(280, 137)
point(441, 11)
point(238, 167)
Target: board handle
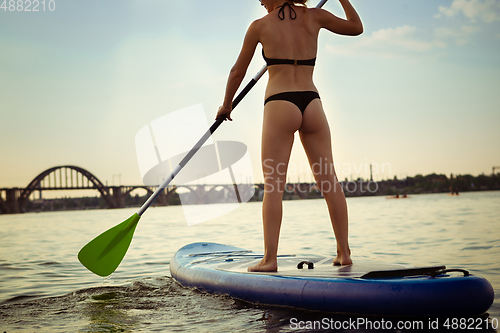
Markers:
point(310, 265)
point(443, 271)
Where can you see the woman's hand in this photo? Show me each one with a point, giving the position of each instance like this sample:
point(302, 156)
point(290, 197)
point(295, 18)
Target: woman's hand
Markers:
point(224, 113)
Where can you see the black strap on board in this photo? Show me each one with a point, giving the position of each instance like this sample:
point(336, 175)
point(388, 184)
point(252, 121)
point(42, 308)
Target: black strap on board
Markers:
point(431, 271)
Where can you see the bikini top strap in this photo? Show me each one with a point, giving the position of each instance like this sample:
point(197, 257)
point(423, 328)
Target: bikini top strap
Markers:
point(281, 12)
point(270, 61)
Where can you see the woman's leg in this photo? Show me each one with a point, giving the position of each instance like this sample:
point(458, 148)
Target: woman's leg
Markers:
point(316, 139)
point(281, 120)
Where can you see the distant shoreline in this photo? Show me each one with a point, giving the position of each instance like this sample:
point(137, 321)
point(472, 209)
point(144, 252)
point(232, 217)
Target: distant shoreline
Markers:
point(300, 191)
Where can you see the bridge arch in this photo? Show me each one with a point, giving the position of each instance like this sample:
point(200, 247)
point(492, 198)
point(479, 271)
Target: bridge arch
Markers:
point(194, 192)
point(36, 184)
point(224, 187)
point(132, 188)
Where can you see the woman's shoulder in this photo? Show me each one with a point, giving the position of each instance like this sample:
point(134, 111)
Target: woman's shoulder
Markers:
point(308, 10)
point(311, 14)
point(256, 25)
point(260, 24)
point(316, 12)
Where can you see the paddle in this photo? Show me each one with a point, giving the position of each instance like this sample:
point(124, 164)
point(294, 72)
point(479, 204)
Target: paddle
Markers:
point(103, 254)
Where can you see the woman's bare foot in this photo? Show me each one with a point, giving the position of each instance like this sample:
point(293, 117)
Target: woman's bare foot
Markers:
point(265, 266)
point(342, 258)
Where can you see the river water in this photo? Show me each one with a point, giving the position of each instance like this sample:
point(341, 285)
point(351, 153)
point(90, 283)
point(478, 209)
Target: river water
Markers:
point(43, 287)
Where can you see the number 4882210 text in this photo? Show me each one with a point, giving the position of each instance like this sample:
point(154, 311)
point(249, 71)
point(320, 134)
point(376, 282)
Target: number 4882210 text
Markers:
point(28, 5)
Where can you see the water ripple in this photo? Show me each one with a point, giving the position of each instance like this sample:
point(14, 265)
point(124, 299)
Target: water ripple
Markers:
point(477, 248)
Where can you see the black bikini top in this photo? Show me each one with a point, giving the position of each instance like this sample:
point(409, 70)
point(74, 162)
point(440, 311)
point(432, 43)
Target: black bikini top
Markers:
point(269, 61)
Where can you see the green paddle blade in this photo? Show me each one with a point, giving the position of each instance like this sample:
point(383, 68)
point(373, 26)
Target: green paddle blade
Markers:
point(103, 254)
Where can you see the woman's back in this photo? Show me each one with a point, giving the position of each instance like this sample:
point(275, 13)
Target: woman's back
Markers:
point(293, 37)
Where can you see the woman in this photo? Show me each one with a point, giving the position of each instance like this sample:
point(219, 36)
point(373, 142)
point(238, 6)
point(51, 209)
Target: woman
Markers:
point(289, 34)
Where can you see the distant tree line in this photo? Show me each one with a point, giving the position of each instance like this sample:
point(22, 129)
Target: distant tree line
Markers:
point(435, 183)
point(418, 184)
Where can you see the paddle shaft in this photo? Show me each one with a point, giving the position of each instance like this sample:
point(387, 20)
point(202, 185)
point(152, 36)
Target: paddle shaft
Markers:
point(205, 136)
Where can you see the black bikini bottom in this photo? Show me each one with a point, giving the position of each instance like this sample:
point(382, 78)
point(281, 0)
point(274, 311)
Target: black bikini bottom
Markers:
point(300, 98)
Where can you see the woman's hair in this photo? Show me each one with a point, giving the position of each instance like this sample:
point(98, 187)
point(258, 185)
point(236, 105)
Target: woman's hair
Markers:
point(300, 2)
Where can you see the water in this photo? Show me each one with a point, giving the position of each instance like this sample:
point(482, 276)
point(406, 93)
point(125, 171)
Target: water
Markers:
point(44, 288)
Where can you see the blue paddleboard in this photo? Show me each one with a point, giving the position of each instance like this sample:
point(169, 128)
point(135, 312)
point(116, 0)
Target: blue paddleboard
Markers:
point(311, 282)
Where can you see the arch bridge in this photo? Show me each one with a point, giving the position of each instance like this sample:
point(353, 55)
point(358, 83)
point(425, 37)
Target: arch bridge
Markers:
point(65, 177)
point(70, 177)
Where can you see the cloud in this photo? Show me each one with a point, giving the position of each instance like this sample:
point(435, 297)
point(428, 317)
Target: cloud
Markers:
point(405, 42)
point(401, 37)
point(486, 10)
point(460, 36)
point(386, 43)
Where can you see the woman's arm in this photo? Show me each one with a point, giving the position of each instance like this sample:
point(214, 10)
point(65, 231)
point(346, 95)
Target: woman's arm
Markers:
point(238, 71)
point(351, 26)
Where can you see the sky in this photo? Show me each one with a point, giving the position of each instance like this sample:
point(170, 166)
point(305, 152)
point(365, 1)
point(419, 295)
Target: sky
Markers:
point(416, 93)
